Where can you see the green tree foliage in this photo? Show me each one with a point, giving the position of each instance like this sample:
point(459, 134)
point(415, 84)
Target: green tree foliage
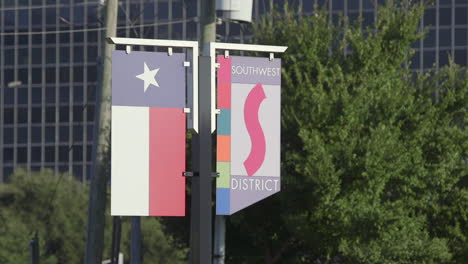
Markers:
point(55, 207)
point(374, 155)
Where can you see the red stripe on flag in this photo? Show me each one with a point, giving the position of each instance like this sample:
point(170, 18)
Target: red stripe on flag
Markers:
point(167, 162)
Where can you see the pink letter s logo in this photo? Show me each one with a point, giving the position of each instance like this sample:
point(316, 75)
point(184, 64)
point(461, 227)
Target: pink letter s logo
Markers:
point(258, 149)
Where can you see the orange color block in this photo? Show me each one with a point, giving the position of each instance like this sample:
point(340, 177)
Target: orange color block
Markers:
point(223, 149)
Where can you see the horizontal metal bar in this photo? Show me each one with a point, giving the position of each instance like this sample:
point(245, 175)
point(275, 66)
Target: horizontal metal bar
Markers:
point(248, 47)
point(196, 174)
point(153, 42)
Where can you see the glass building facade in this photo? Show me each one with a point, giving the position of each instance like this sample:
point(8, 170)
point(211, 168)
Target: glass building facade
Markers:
point(49, 63)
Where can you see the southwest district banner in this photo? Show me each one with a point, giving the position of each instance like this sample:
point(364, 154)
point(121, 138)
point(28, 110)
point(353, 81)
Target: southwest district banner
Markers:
point(248, 131)
point(148, 134)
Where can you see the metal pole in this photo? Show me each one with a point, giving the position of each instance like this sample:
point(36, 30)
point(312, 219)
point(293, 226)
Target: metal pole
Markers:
point(201, 229)
point(208, 31)
point(116, 234)
point(207, 25)
point(136, 241)
point(200, 225)
point(34, 250)
point(219, 239)
point(97, 194)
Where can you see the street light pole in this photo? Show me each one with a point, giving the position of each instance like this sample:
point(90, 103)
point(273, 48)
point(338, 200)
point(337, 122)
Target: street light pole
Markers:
point(201, 209)
point(97, 193)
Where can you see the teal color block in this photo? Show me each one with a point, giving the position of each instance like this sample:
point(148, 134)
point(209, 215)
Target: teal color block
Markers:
point(224, 122)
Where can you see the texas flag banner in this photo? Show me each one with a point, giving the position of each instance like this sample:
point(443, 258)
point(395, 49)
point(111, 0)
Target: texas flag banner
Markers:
point(148, 134)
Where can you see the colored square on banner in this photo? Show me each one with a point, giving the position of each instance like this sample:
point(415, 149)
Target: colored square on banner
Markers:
point(223, 149)
point(223, 169)
point(148, 134)
point(224, 122)
point(224, 72)
point(254, 131)
point(224, 95)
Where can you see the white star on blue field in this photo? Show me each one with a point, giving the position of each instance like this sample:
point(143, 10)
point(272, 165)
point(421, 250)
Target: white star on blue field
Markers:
point(148, 76)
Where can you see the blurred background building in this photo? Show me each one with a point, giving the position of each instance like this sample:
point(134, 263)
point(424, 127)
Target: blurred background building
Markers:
point(49, 64)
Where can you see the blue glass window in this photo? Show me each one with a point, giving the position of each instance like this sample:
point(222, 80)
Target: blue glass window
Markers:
point(64, 76)
point(36, 154)
point(461, 14)
point(445, 16)
point(36, 95)
point(22, 115)
point(36, 134)
point(9, 95)
point(21, 155)
point(461, 37)
point(23, 56)
point(78, 94)
point(77, 153)
point(460, 56)
point(443, 57)
point(36, 115)
point(8, 115)
point(64, 94)
point(50, 55)
point(338, 4)
point(7, 154)
point(64, 114)
point(90, 112)
point(9, 17)
point(22, 95)
point(9, 56)
point(64, 133)
point(50, 134)
point(90, 134)
point(78, 15)
point(49, 154)
point(50, 114)
point(51, 16)
point(50, 75)
point(63, 153)
point(430, 38)
point(8, 135)
point(430, 17)
point(22, 135)
point(445, 37)
point(77, 133)
point(78, 113)
point(89, 152)
point(429, 59)
point(23, 17)
point(36, 55)
point(36, 74)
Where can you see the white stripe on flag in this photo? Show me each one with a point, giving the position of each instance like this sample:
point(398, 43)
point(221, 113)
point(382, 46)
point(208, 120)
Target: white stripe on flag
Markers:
point(130, 161)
